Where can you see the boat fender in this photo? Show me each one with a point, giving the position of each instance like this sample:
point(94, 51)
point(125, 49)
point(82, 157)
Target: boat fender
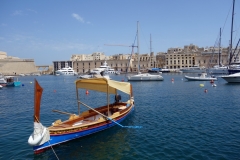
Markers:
point(37, 135)
point(132, 100)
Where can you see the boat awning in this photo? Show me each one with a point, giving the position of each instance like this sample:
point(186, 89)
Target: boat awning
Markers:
point(100, 84)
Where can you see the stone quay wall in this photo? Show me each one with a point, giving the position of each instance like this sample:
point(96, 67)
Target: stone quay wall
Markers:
point(17, 66)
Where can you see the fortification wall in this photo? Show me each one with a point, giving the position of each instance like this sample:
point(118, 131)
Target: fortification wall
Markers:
point(18, 66)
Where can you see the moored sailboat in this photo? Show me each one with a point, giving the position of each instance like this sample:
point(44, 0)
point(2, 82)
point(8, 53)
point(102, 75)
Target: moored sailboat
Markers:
point(143, 76)
point(87, 122)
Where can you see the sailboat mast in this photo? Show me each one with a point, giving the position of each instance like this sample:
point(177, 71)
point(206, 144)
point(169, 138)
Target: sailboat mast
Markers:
point(138, 48)
point(150, 43)
point(219, 55)
point(230, 59)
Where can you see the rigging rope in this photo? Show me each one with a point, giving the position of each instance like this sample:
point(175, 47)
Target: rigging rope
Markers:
point(133, 45)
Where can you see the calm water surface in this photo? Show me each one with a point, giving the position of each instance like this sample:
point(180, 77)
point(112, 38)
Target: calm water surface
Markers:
point(180, 121)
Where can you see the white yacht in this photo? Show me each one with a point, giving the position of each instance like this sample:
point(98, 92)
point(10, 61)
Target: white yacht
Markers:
point(94, 75)
point(3, 81)
point(104, 67)
point(218, 70)
point(232, 78)
point(66, 71)
point(145, 77)
point(194, 69)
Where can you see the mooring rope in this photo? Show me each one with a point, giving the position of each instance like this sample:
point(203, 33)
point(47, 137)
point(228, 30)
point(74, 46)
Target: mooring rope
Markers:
point(53, 150)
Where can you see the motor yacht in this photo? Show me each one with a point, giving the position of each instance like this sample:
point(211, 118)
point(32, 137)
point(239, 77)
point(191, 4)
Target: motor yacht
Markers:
point(103, 67)
point(232, 78)
point(66, 71)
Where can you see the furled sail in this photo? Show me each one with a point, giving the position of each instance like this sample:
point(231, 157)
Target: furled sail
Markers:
point(37, 101)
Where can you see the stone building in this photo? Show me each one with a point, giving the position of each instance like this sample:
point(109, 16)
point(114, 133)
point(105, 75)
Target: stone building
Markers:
point(14, 66)
point(118, 62)
point(88, 57)
point(161, 60)
point(209, 57)
point(146, 62)
point(174, 58)
point(192, 55)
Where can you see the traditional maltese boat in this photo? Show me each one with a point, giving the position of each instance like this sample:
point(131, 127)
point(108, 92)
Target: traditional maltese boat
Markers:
point(87, 122)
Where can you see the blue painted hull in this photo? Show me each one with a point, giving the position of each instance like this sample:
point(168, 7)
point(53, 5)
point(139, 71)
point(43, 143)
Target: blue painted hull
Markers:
point(57, 139)
point(14, 84)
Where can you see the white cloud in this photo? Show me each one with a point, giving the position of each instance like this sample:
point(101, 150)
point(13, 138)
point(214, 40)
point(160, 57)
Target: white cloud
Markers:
point(77, 17)
point(31, 10)
point(17, 12)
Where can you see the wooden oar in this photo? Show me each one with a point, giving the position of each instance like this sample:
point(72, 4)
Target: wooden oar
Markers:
point(62, 112)
point(109, 117)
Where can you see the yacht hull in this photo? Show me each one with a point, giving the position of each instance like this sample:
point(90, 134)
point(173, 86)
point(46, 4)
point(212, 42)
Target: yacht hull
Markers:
point(145, 77)
point(200, 79)
point(232, 78)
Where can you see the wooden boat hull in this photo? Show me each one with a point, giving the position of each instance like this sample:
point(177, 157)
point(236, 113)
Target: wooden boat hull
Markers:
point(83, 131)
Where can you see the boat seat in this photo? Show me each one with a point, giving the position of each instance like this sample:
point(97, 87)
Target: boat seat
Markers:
point(122, 107)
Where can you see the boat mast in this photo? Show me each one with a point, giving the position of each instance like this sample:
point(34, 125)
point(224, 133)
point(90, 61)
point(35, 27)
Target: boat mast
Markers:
point(219, 55)
point(150, 43)
point(138, 47)
point(230, 59)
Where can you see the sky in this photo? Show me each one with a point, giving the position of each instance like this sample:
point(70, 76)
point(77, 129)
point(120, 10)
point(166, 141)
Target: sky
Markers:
point(48, 31)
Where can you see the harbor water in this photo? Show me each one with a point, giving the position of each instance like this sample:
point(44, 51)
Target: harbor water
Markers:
point(179, 120)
